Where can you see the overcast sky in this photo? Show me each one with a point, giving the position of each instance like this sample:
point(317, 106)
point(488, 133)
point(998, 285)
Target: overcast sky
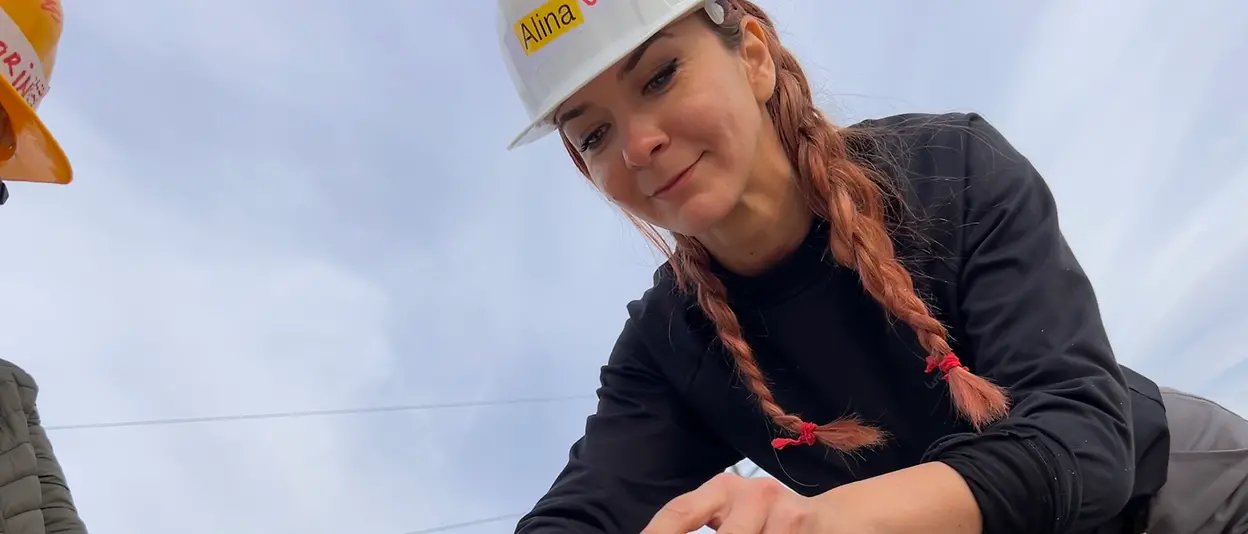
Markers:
point(285, 206)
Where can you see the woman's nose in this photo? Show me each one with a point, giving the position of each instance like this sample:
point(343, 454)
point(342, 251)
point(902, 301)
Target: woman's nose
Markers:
point(643, 140)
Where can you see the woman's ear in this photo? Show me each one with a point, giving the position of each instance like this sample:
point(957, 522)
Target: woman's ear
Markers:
point(759, 66)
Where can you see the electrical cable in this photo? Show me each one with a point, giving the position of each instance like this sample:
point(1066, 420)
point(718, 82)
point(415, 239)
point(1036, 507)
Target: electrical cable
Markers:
point(312, 413)
point(482, 521)
point(342, 411)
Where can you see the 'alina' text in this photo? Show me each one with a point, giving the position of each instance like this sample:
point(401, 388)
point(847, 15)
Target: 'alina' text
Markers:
point(547, 23)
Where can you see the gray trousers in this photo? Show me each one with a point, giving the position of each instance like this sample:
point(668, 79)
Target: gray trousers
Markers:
point(1206, 490)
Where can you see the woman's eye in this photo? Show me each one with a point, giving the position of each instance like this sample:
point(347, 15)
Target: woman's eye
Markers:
point(662, 78)
point(592, 139)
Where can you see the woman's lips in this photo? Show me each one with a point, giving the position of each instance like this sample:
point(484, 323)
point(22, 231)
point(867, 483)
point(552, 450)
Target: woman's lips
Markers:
point(681, 178)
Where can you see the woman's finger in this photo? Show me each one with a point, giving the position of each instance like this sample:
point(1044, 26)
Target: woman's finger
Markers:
point(742, 518)
point(690, 511)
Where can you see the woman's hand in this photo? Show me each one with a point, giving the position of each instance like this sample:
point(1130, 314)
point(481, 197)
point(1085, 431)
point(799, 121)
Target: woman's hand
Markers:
point(732, 504)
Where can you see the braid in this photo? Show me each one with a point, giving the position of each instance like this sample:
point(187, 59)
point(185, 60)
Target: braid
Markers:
point(693, 265)
point(846, 195)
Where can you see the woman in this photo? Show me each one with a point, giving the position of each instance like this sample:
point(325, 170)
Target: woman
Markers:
point(886, 317)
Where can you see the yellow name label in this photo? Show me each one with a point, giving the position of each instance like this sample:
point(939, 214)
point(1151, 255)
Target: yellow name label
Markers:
point(547, 23)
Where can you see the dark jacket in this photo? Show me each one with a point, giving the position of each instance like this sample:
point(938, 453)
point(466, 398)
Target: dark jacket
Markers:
point(1083, 448)
point(34, 497)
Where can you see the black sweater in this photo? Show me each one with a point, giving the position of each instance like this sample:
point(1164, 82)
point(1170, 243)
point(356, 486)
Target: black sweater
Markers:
point(1083, 448)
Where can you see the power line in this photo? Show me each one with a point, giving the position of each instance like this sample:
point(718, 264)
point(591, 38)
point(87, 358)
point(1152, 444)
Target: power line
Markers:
point(445, 528)
point(313, 413)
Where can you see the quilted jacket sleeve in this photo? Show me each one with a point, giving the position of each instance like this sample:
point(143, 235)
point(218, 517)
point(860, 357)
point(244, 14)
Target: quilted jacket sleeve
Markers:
point(52, 500)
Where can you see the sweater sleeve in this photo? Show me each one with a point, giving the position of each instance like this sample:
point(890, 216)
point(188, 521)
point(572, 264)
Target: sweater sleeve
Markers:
point(1062, 461)
point(641, 449)
point(60, 516)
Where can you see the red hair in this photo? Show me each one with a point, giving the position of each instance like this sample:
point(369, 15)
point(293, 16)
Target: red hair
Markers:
point(854, 198)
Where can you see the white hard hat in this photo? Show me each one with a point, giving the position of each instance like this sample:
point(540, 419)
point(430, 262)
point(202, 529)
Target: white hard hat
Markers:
point(553, 48)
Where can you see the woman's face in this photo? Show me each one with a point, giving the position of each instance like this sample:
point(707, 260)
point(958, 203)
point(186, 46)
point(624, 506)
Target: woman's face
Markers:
point(671, 132)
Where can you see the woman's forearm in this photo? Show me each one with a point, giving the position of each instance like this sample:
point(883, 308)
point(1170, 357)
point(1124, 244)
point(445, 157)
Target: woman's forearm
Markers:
point(929, 498)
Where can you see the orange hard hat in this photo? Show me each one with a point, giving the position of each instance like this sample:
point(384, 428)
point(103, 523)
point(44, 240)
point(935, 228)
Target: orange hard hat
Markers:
point(29, 33)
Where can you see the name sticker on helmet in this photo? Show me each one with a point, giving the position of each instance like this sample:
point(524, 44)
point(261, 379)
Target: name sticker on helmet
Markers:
point(547, 23)
point(19, 63)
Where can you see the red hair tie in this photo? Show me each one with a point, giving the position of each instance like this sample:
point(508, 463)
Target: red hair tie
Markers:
point(805, 436)
point(944, 364)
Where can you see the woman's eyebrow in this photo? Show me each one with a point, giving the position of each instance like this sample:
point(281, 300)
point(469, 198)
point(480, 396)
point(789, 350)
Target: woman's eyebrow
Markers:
point(635, 57)
point(570, 114)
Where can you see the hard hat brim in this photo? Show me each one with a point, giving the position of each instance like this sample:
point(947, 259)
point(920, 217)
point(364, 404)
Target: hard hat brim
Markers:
point(37, 157)
point(536, 130)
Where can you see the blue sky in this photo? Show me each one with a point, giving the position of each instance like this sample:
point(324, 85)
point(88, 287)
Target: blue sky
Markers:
point(282, 209)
